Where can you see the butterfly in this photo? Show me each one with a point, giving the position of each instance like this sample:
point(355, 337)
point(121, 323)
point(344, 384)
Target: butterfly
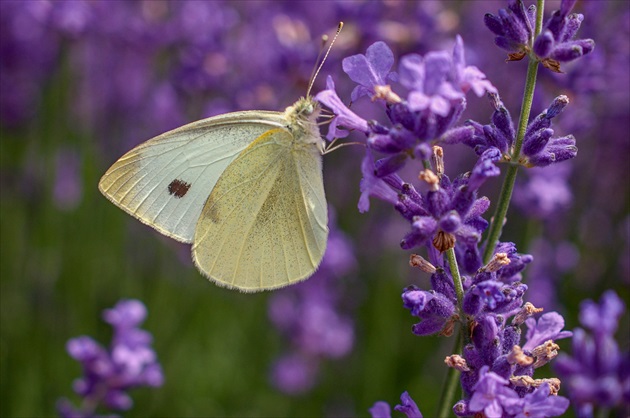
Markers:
point(244, 188)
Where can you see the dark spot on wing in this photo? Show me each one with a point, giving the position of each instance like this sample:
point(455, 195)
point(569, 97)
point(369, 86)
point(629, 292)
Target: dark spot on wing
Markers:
point(178, 188)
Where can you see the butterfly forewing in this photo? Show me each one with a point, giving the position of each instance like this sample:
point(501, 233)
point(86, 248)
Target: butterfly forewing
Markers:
point(165, 181)
point(264, 225)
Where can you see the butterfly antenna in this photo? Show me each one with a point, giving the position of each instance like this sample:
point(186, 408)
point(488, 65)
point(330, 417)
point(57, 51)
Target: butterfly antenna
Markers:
point(314, 76)
point(332, 147)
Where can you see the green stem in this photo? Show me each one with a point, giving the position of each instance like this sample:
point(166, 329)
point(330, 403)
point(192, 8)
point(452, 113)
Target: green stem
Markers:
point(540, 10)
point(450, 387)
point(494, 233)
point(459, 291)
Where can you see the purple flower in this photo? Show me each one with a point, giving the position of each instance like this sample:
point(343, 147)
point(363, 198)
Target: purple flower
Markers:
point(309, 315)
point(538, 404)
point(108, 374)
point(435, 310)
point(344, 117)
point(427, 80)
point(539, 147)
point(513, 27)
point(490, 292)
point(407, 406)
point(597, 374)
point(468, 77)
point(490, 393)
point(369, 70)
point(373, 186)
point(500, 134)
point(294, 374)
point(548, 327)
point(380, 409)
point(545, 193)
point(555, 43)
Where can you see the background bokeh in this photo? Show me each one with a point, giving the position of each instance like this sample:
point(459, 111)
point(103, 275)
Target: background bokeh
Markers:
point(82, 82)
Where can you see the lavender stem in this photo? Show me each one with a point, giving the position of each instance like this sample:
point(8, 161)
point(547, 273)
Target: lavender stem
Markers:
point(494, 233)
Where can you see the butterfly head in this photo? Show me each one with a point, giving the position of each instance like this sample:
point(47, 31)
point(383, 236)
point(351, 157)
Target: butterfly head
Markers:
point(302, 122)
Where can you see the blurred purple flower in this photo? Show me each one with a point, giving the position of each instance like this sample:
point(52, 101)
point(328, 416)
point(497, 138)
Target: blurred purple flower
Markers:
point(308, 315)
point(553, 260)
point(597, 375)
point(108, 374)
point(545, 194)
point(407, 406)
point(67, 189)
point(294, 374)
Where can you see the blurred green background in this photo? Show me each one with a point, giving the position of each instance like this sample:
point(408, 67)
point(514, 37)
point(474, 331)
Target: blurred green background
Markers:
point(88, 94)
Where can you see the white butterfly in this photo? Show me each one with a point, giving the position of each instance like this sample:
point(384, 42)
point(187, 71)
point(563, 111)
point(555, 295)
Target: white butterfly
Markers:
point(244, 188)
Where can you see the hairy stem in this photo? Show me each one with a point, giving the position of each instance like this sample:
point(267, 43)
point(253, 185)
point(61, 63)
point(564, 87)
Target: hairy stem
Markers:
point(494, 233)
point(459, 291)
point(451, 384)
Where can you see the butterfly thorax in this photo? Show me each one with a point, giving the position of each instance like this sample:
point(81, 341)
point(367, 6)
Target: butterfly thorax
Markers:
point(302, 118)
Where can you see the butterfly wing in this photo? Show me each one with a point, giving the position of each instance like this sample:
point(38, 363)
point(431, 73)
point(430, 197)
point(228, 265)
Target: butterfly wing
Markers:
point(165, 181)
point(264, 225)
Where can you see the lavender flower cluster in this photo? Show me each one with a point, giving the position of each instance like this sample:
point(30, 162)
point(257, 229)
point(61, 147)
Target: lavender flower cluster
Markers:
point(514, 30)
point(108, 374)
point(598, 372)
point(445, 215)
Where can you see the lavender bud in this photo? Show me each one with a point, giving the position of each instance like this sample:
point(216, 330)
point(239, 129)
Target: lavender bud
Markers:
point(389, 165)
point(450, 222)
point(493, 23)
point(572, 25)
point(383, 143)
point(417, 261)
point(472, 302)
point(557, 106)
point(535, 143)
point(570, 51)
point(459, 135)
point(457, 362)
point(543, 45)
point(442, 283)
point(422, 151)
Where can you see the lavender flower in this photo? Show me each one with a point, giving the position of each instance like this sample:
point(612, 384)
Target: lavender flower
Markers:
point(436, 85)
point(539, 148)
point(407, 406)
point(344, 116)
point(496, 372)
point(109, 373)
point(597, 374)
point(446, 216)
point(514, 26)
point(555, 44)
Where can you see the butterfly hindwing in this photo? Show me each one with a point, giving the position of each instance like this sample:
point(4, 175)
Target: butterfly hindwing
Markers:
point(264, 225)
